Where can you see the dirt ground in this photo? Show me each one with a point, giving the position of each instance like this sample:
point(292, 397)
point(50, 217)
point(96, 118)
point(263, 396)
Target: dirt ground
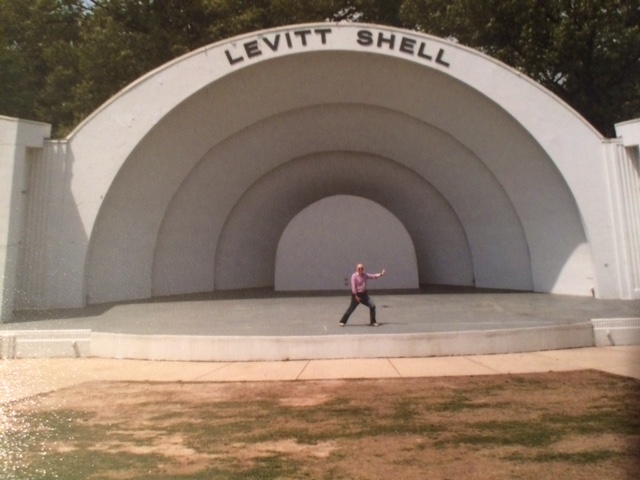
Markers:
point(573, 425)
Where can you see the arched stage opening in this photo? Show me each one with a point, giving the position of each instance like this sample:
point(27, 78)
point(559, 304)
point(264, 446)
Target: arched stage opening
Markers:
point(202, 198)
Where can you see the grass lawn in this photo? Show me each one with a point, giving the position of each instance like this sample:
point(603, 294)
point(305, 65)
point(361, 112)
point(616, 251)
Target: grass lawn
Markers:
point(570, 425)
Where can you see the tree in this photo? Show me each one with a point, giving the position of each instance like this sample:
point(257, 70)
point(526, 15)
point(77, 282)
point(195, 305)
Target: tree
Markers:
point(585, 51)
point(38, 58)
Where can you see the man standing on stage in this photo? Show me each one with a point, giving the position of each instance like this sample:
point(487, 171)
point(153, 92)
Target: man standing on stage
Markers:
point(359, 295)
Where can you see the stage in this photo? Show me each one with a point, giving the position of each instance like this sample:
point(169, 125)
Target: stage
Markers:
point(254, 325)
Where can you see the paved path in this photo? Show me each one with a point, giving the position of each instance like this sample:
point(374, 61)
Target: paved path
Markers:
point(23, 378)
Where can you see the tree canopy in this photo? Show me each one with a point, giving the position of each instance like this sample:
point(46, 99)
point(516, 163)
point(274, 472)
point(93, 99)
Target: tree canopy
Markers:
point(61, 59)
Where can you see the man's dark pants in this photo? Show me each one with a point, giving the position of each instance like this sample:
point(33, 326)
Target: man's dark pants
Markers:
point(365, 299)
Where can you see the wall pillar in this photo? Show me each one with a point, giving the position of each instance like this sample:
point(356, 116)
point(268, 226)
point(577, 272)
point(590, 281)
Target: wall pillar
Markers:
point(624, 184)
point(17, 137)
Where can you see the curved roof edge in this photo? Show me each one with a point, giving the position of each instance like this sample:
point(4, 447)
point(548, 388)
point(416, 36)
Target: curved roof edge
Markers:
point(410, 46)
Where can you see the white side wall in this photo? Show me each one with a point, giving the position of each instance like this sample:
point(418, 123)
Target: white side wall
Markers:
point(623, 175)
point(18, 138)
point(53, 233)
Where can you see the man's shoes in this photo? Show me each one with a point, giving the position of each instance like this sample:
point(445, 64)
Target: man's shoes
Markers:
point(374, 324)
point(341, 324)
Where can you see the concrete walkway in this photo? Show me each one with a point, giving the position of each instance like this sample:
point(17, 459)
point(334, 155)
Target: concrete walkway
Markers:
point(23, 378)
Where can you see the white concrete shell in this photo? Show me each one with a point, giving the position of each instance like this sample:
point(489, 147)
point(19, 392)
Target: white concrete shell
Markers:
point(186, 180)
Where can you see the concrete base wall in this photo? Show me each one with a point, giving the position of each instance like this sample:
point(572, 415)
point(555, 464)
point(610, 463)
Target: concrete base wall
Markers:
point(616, 331)
point(186, 348)
point(45, 344)
point(247, 348)
point(18, 139)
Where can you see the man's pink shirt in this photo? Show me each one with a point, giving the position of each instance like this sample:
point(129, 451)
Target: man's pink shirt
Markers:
point(359, 282)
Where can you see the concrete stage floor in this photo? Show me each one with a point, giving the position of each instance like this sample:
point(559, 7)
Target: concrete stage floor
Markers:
point(452, 321)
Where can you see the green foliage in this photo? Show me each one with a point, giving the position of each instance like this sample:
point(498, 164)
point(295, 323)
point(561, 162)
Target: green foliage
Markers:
point(39, 58)
point(585, 51)
point(60, 59)
point(577, 458)
point(507, 433)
